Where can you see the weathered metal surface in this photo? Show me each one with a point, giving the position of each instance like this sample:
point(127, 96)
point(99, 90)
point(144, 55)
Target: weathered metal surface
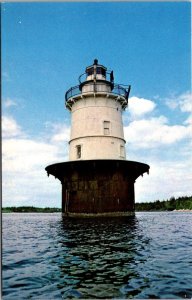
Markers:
point(99, 215)
point(97, 187)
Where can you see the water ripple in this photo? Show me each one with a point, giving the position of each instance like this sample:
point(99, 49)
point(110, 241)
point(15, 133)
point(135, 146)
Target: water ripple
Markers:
point(147, 256)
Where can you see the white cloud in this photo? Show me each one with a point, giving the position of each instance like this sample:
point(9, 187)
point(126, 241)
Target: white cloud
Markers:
point(171, 103)
point(165, 179)
point(188, 120)
point(25, 155)
point(9, 102)
point(23, 164)
point(33, 189)
point(166, 148)
point(183, 102)
point(10, 128)
point(62, 133)
point(140, 106)
point(155, 132)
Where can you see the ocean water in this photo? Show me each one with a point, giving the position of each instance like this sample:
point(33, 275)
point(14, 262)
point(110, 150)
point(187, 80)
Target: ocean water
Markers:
point(141, 257)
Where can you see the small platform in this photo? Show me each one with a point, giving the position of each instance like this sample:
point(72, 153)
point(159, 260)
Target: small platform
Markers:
point(93, 188)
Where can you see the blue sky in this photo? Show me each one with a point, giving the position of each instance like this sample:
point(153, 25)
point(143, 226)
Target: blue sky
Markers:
point(46, 46)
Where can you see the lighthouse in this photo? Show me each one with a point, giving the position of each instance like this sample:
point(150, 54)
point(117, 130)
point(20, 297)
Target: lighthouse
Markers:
point(96, 116)
point(97, 180)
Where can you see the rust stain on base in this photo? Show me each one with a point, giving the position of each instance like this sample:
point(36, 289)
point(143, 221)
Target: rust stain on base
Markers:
point(98, 188)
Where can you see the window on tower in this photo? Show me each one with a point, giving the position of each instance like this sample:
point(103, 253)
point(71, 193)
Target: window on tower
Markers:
point(106, 127)
point(90, 71)
point(78, 151)
point(122, 151)
point(101, 71)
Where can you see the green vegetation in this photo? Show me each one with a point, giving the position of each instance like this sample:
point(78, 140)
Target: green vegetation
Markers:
point(181, 203)
point(30, 209)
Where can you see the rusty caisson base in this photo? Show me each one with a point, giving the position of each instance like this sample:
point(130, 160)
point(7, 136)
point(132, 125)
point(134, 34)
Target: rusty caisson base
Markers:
point(97, 188)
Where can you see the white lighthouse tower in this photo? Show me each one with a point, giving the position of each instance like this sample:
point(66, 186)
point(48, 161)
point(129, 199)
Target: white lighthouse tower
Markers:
point(96, 107)
point(97, 180)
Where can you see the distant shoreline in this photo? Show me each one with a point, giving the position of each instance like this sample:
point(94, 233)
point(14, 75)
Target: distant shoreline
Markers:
point(137, 211)
point(31, 209)
point(26, 212)
point(180, 204)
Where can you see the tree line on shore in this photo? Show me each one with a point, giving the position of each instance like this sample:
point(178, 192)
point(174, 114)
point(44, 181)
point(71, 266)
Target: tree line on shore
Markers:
point(181, 203)
point(31, 209)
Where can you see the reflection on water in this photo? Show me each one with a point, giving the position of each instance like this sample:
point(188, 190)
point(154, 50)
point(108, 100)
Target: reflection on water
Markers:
point(100, 256)
point(146, 256)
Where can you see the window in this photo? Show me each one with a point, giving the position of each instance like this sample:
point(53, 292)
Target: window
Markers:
point(101, 71)
point(106, 127)
point(90, 71)
point(122, 151)
point(78, 149)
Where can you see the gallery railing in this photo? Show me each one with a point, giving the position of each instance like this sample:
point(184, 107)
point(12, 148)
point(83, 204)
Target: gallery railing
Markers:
point(119, 90)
